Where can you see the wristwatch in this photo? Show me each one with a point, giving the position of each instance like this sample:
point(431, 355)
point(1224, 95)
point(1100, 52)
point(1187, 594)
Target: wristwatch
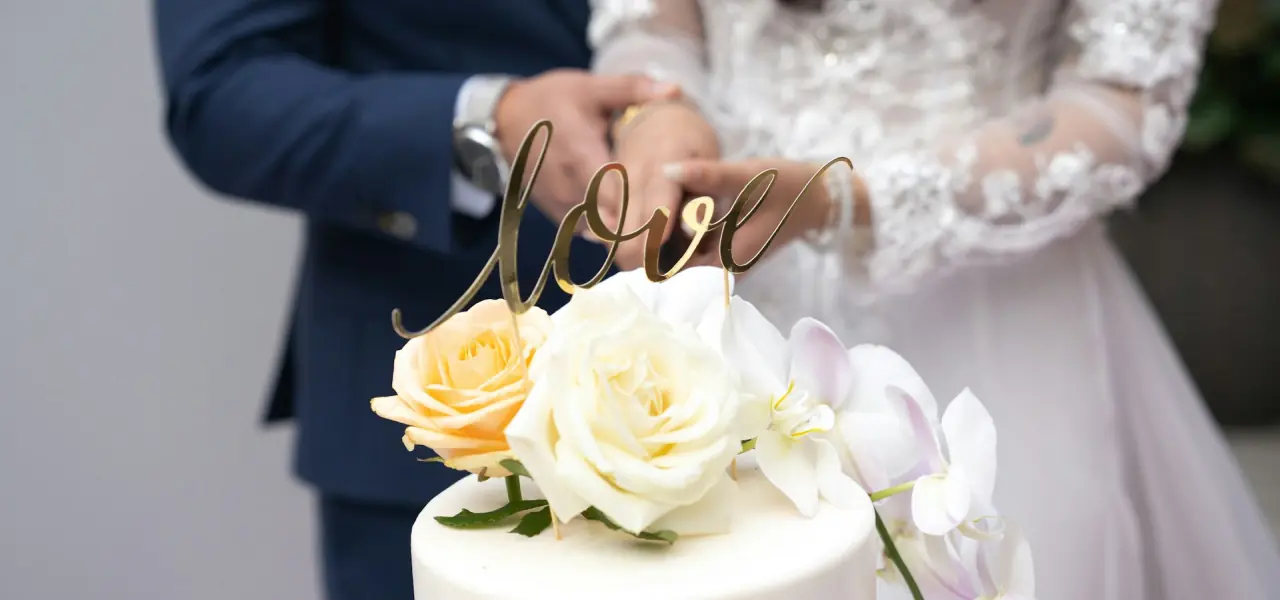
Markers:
point(476, 152)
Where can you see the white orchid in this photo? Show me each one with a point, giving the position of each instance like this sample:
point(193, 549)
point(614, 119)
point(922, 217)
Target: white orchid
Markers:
point(957, 568)
point(791, 390)
point(873, 424)
point(1005, 569)
point(960, 481)
point(896, 444)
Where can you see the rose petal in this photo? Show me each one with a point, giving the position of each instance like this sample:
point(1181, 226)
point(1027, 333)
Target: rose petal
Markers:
point(638, 415)
point(530, 435)
point(441, 442)
point(573, 421)
point(489, 419)
point(940, 502)
point(790, 468)
point(819, 362)
point(407, 378)
point(394, 408)
point(686, 297)
point(680, 477)
point(971, 442)
point(632, 512)
point(489, 463)
point(635, 281)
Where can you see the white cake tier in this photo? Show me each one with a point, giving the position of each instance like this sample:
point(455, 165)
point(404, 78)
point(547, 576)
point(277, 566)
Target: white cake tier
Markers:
point(772, 553)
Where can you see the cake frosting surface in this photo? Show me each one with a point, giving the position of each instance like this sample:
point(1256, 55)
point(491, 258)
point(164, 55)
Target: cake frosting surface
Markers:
point(772, 553)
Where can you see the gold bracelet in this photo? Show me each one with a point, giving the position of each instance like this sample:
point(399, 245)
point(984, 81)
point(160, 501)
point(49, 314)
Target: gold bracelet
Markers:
point(628, 115)
point(632, 115)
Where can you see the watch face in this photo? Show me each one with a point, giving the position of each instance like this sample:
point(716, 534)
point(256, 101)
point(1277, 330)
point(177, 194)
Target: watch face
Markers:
point(475, 153)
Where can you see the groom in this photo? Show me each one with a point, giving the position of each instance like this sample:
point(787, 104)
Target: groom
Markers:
point(388, 125)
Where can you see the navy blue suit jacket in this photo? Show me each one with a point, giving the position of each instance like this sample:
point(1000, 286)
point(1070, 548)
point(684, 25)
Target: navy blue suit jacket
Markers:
point(342, 110)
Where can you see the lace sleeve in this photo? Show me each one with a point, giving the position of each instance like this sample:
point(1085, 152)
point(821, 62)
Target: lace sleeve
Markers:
point(1107, 126)
point(660, 38)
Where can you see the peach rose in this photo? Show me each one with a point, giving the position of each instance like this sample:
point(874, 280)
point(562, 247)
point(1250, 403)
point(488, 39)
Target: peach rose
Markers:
point(458, 386)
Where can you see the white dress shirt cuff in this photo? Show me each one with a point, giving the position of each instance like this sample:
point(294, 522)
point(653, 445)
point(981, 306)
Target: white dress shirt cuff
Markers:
point(467, 199)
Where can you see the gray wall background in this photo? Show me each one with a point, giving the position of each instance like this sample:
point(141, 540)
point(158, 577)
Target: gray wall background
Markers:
point(138, 322)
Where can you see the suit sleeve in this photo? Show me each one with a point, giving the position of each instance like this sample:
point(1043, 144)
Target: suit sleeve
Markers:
point(255, 113)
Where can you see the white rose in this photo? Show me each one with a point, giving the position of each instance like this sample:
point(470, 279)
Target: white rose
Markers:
point(630, 411)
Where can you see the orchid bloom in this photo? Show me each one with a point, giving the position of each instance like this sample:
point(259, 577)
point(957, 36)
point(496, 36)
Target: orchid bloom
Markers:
point(1005, 569)
point(957, 568)
point(960, 482)
point(873, 428)
point(792, 389)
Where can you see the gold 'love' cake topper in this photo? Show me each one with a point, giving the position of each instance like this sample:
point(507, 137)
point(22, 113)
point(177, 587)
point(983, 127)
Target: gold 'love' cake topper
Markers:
point(696, 215)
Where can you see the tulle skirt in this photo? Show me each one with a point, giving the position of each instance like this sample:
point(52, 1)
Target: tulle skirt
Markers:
point(1109, 460)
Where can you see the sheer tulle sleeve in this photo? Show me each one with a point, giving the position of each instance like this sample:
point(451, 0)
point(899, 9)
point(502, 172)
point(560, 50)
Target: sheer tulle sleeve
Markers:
point(1106, 127)
point(660, 38)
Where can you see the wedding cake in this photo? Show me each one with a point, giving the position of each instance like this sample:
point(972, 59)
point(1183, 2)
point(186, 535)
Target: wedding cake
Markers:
point(771, 553)
point(666, 441)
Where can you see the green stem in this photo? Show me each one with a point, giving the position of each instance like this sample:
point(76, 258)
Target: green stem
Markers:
point(893, 491)
point(513, 488)
point(892, 550)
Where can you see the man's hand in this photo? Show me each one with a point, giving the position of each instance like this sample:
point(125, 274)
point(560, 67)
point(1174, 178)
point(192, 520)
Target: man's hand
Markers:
point(579, 106)
point(662, 134)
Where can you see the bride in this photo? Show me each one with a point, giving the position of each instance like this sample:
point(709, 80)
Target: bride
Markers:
point(989, 137)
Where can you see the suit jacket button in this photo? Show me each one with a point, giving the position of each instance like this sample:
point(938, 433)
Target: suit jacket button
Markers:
point(398, 224)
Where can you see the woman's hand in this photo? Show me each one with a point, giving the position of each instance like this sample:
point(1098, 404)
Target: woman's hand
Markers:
point(724, 181)
point(660, 134)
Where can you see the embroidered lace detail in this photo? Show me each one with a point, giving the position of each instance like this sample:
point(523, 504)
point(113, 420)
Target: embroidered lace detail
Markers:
point(610, 15)
point(984, 130)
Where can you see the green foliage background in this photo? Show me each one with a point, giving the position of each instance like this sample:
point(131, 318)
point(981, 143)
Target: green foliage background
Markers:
point(1237, 106)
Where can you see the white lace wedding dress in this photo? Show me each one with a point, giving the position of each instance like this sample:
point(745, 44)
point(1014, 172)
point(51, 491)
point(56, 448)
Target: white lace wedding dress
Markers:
point(992, 135)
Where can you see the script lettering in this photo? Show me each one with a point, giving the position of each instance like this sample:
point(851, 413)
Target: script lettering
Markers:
point(697, 216)
point(731, 222)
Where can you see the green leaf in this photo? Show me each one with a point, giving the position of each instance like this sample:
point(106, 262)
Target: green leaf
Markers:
point(533, 523)
point(594, 514)
point(515, 466)
point(748, 445)
point(434, 459)
point(472, 520)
